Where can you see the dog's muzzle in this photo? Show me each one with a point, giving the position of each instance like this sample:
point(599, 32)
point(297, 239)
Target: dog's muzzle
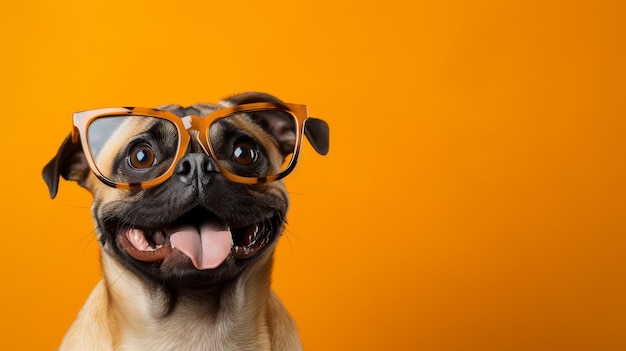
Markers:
point(207, 242)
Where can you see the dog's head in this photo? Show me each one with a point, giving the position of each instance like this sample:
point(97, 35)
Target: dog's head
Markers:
point(181, 197)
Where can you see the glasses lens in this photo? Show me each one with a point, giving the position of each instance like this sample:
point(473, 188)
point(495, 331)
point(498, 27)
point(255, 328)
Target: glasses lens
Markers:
point(132, 149)
point(255, 144)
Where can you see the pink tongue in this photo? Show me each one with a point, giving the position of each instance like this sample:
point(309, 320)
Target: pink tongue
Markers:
point(207, 248)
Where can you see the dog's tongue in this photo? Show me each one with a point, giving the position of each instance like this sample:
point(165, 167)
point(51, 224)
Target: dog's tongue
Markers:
point(207, 246)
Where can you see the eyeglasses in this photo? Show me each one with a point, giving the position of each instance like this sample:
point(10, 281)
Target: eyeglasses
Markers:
point(133, 147)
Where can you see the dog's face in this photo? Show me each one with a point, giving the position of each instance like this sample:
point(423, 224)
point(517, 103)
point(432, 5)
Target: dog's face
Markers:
point(197, 227)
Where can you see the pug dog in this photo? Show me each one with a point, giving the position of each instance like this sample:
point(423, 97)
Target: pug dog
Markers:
point(188, 205)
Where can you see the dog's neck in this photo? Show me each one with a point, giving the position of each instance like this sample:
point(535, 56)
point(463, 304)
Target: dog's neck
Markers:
point(158, 318)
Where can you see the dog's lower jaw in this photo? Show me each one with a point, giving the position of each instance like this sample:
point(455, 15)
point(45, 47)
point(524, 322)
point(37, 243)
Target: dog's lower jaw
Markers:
point(125, 314)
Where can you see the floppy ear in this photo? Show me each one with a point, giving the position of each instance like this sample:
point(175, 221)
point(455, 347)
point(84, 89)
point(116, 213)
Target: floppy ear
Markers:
point(318, 133)
point(69, 163)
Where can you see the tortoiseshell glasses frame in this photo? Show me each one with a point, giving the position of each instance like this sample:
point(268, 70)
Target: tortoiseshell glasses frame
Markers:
point(82, 120)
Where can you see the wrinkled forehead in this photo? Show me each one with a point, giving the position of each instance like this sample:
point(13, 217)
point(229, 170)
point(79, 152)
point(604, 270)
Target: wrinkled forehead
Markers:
point(201, 110)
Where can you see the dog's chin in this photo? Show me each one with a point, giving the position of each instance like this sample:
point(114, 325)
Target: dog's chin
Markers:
point(196, 249)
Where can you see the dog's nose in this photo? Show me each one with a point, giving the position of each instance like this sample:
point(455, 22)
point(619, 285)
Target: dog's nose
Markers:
point(196, 167)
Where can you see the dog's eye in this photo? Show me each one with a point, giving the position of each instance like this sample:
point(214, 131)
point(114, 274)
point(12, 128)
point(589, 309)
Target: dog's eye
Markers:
point(245, 154)
point(141, 157)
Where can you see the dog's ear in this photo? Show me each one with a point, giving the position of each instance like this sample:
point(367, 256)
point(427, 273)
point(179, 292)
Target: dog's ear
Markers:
point(69, 163)
point(318, 133)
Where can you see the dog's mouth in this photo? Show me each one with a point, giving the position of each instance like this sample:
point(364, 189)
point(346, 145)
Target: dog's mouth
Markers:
point(205, 239)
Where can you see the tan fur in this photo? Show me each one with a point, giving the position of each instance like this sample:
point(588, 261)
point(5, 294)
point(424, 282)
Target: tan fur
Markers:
point(121, 314)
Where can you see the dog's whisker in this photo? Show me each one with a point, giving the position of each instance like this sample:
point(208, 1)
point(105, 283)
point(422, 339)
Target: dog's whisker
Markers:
point(294, 194)
point(90, 239)
point(76, 206)
point(119, 276)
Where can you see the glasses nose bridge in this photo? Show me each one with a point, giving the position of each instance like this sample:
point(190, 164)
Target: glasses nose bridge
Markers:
point(193, 122)
point(197, 129)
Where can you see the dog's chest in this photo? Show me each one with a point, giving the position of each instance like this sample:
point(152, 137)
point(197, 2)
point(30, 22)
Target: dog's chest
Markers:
point(189, 334)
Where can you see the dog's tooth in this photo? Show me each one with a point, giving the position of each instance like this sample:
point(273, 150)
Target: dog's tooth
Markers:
point(158, 237)
point(253, 235)
point(137, 237)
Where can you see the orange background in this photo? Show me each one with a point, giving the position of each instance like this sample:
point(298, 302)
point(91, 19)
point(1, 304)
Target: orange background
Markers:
point(475, 193)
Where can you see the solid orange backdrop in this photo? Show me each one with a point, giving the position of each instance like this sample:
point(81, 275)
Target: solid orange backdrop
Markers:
point(473, 198)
